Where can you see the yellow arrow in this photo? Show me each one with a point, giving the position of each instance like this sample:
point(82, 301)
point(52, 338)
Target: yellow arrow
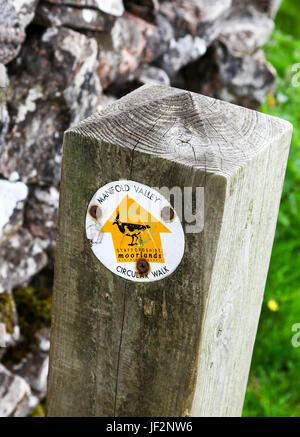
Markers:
point(135, 233)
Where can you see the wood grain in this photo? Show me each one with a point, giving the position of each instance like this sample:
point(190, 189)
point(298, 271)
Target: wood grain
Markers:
point(189, 355)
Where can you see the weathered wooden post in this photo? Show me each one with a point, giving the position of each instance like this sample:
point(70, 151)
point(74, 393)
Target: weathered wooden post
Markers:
point(180, 345)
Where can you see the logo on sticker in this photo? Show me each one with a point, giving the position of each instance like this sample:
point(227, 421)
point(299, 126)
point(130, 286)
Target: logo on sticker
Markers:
point(134, 231)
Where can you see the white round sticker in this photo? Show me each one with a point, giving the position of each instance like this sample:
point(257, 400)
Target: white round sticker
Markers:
point(134, 231)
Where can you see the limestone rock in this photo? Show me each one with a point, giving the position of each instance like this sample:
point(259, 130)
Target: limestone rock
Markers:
point(248, 26)
point(12, 197)
point(53, 83)
point(15, 16)
point(113, 7)
point(11, 32)
point(227, 75)
point(197, 24)
point(76, 18)
point(268, 7)
point(35, 137)
point(145, 9)
point(4, 81)
point(181, 52)
point(131, 43)
point(41, 215)
point(104, 101)
point(34, 370)
point(25, 10)
point(4, 115)
point(151, 74)
point(143, 75)
point(15, 394)
point(21, 257)
point(2, 336)
point(43, 338)
point(8, 320)
point(247, 34)
point(196, 17)
point(4, 119)
point(245, 80)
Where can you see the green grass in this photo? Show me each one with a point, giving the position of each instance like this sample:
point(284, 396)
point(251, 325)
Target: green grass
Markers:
point(274, 383)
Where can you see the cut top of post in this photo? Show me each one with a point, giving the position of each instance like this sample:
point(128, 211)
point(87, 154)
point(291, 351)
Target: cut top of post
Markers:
point(185, 127)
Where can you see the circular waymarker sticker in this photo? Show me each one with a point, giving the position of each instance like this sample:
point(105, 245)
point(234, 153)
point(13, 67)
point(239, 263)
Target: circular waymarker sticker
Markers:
point(134, 231)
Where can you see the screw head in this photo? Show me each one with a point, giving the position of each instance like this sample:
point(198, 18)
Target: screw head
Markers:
point(142, 267)
point(167, 214)
point(95, 212)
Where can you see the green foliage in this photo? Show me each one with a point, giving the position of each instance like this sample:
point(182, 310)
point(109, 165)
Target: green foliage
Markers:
point(274, 383)
point(34, 310)
point(39, 411)
point(7, 312)
point(288, 18)
point(34, 313)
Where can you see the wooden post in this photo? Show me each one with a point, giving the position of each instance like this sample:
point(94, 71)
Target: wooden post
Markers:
point(180, 346)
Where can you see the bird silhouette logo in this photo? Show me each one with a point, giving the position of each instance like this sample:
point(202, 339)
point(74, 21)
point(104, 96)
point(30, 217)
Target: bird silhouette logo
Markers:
point(135, 232)
point(132, 230)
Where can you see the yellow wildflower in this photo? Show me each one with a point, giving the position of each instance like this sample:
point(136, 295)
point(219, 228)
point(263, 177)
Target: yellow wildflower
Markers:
point(271, 101)
point(273, 305)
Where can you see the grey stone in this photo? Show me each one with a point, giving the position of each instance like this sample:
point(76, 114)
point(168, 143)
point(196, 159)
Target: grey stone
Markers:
point(151, 74)
point(268, 7)
point(8, 320)
point(131, 43)
point(12, 197)
point(15, 394)
point(146, 9)
point(33, 145)
point(76, 18)
point(104, 101)
point(248, 26)
point(34, 370)
point(201, 18)
point(246, 34)
point(113, 7)
point(25, 10)
point(43, 338)
point(196, 24)
point(21, 257)
point(11, 32)
point(4, 81)
point(2, 336)
point(41, 215)
point(245, 80)
point(224, 74)
point(181, 52)
point(4, 116)
point(14, 18)
point(53, 84)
